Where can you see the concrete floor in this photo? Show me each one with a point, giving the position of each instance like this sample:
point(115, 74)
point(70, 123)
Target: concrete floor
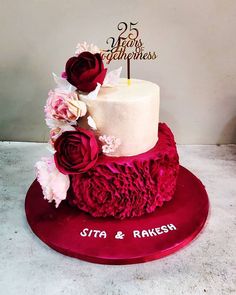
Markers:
point(206, 266)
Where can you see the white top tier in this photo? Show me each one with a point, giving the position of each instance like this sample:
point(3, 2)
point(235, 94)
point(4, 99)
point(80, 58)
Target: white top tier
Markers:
point(128, 112)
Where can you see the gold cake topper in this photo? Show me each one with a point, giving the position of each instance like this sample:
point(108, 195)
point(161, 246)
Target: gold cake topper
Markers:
point(127, 46)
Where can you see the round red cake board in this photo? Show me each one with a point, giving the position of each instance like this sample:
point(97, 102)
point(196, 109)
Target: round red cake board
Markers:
point(112, 241)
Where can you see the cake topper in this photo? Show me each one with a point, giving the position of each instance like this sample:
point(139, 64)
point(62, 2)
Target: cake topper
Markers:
point(127, 46)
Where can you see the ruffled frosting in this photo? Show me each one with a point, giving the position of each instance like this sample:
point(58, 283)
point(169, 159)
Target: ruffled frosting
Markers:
point(128, 186)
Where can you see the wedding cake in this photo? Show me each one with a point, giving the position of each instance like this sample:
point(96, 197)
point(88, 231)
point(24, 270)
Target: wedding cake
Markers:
point(110, 155)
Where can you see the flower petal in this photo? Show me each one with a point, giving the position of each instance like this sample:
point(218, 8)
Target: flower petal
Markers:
point(112, 78)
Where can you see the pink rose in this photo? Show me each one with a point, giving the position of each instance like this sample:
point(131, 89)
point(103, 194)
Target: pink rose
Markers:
point(63, 105)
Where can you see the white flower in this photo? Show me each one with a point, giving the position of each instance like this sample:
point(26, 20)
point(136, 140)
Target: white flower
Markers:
point(54, 184)
point(81, 47)
point(111, 143)
point(91, 95)
point(106, 149)
point(112, 78)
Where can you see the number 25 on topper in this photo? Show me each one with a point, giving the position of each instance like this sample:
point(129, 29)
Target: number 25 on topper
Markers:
point(128, 45)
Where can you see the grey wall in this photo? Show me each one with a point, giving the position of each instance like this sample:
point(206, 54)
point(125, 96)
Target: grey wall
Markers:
point(196, 69)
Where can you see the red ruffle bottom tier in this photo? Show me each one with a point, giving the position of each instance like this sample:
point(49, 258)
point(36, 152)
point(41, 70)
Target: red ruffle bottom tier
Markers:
point(128, 186)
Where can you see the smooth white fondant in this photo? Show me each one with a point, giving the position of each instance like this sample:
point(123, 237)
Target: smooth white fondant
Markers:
point(128, 112)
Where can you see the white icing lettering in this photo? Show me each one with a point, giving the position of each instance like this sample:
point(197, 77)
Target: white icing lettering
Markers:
point(95, 233)
point(151, 232)
point(136, 234)
point(84, 232)
point(164, 228)
point(119, 235)
point(158, 231)
point(145, 233)
point(171, 226)
point(102, 234)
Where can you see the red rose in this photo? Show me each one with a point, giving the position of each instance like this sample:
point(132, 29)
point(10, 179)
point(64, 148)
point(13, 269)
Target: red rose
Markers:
point(76, 151)
point(85, 71)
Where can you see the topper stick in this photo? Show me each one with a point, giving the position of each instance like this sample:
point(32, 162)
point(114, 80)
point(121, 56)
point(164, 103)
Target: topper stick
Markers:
point(128, 71)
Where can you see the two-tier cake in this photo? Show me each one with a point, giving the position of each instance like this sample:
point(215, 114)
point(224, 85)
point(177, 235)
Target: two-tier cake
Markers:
point(112, 157)
point(116, 193)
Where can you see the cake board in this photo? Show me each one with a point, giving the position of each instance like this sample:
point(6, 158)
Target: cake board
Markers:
point(112, 241)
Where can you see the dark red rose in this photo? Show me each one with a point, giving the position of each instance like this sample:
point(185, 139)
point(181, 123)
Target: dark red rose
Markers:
point(76, 151)
point(85, 71)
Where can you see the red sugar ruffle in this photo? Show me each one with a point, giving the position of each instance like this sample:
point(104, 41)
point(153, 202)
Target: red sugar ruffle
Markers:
point(128, 186)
